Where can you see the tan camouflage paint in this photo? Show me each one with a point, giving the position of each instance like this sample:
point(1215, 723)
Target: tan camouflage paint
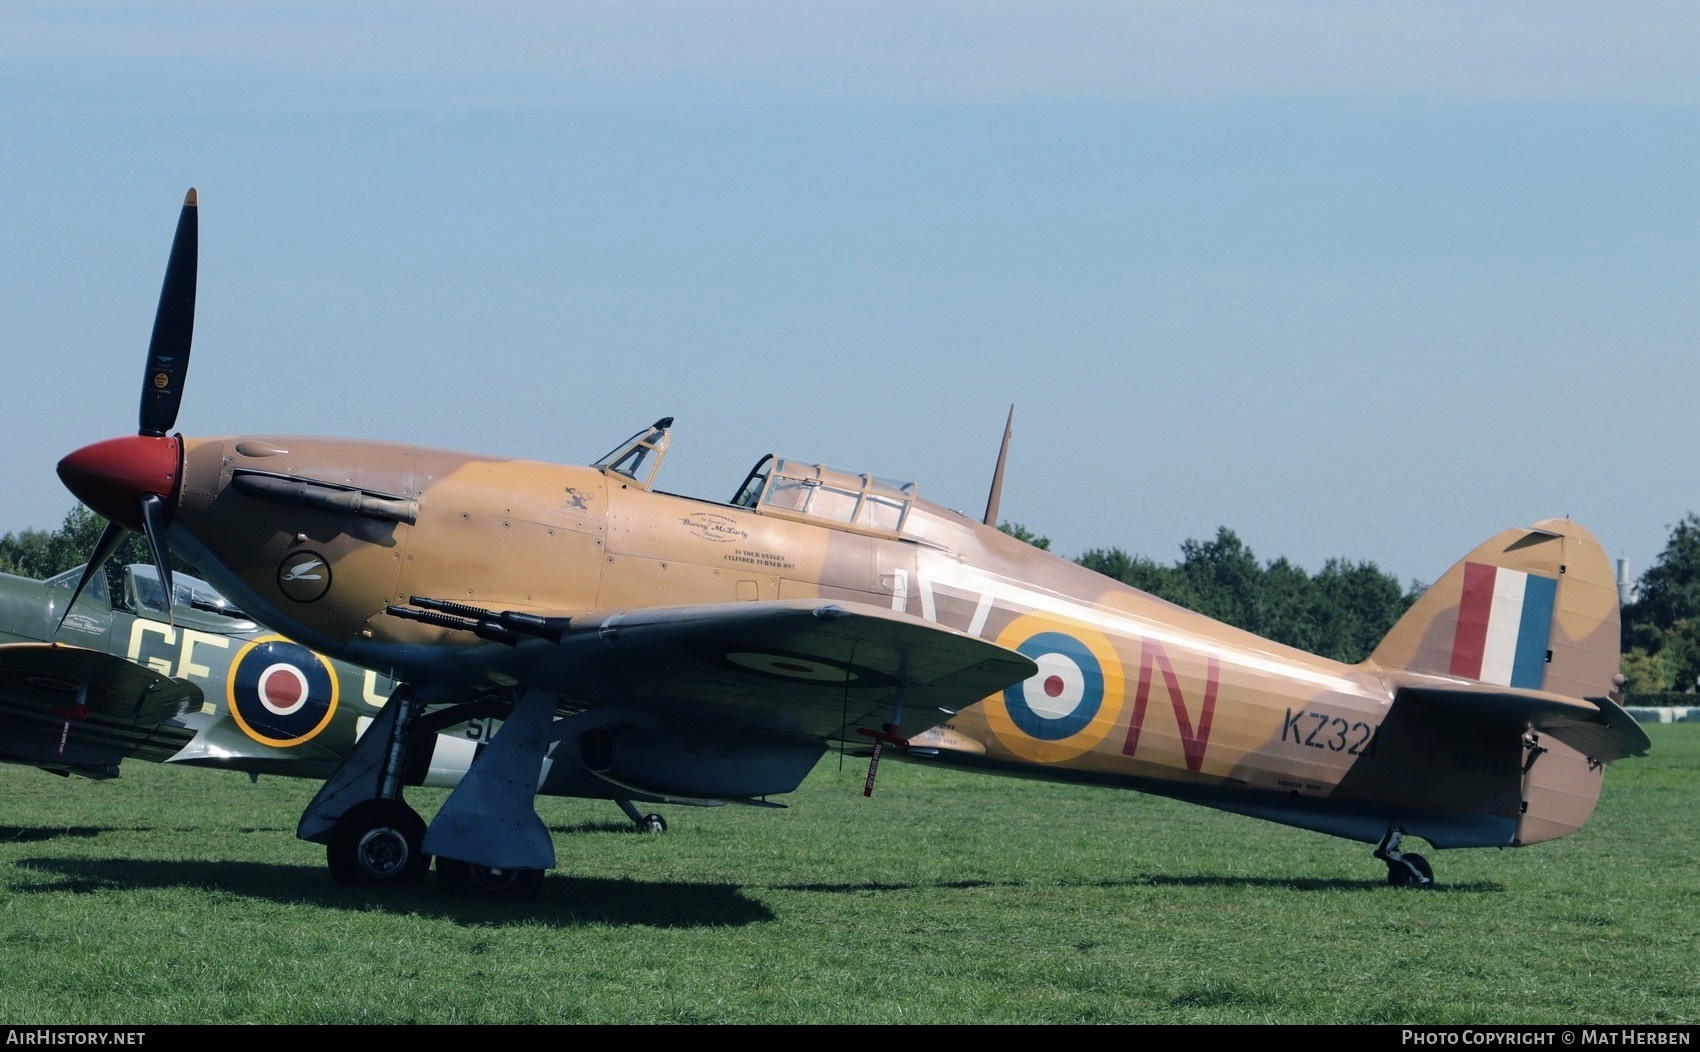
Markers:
point(1180, 703)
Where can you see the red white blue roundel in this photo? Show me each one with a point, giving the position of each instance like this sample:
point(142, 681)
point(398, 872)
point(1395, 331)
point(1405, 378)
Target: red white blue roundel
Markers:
point(280, 693)
point(1060, 700)
point(1070, 704)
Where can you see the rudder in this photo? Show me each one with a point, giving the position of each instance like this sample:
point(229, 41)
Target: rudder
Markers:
point(1534, 607)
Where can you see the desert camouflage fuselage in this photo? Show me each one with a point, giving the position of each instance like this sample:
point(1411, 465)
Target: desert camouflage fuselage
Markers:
point(1125, 689)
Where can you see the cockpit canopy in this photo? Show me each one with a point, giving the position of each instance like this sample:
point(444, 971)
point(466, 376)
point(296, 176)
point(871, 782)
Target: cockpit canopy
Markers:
point(95, 589)
point(792, 489)
point(144, 592)
point(788, 489)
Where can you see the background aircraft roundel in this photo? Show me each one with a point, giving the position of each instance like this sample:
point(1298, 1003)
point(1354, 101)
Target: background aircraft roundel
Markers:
point(280, 692)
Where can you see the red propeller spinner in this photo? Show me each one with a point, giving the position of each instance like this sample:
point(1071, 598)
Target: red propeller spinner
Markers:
point(113, 477)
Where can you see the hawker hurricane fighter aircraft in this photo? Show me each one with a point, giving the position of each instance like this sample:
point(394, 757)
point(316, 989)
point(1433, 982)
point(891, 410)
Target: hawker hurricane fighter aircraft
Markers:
point(672, 648)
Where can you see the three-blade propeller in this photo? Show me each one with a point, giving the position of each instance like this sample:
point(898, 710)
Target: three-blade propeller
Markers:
point(132, 481)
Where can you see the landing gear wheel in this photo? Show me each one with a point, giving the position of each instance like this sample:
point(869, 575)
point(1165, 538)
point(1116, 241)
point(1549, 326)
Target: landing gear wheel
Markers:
point(1410, 871)
point(470, 880)
point(378, 842)
point(652, 823)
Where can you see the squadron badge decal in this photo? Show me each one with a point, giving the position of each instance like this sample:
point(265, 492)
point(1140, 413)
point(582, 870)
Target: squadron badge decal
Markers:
point(304, 576)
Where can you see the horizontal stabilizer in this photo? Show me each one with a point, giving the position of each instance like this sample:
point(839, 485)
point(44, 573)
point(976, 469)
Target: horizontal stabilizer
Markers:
point(1596, 727)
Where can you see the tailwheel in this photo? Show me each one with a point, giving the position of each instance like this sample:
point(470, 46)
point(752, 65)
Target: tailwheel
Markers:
point(378, 842)
point(650, 823)
point(1403, 870)
point(470, 880)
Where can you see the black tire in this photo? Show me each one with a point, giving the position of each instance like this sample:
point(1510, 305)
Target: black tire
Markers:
point(1400, 874)
point(378, 842)
point(652, 823)
point(470, 880)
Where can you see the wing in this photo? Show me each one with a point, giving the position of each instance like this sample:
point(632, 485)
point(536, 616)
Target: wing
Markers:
point(1596, 727)
point(76, 710)
point(810, 668)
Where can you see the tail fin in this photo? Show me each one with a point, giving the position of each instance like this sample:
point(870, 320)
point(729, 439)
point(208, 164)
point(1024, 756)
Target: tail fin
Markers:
point(1521, 637)
point(1533, 608)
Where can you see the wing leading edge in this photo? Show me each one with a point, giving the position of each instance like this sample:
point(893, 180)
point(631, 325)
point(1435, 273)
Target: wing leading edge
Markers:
point(811, 668)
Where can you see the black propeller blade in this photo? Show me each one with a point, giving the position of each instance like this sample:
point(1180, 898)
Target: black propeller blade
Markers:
point(173, 326)
point(110, 538)
point(109, 469)
point(154, 518)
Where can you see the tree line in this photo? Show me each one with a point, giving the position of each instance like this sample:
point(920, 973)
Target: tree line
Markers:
point(1341, 611)
point(1344, 609)
point(43, 553)
point(1661, 625)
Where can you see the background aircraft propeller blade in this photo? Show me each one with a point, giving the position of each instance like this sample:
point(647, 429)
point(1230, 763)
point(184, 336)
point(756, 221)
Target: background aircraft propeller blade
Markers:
point(173, 327)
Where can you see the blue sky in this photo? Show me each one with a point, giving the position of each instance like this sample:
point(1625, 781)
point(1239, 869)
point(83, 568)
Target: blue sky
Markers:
point(1366, 281)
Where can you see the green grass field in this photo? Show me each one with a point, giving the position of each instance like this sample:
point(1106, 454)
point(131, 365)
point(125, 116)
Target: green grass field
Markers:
point(182, 896)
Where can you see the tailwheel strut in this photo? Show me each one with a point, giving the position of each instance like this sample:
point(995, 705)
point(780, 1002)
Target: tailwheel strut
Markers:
point(1404, 869)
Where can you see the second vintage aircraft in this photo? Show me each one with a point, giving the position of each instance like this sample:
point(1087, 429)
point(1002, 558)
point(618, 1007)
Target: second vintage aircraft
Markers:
point(125, 672)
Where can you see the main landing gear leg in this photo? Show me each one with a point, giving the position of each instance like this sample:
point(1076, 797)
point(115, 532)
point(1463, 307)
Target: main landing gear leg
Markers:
point(1403, 870)
point(371, 836)
point(487, 836)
